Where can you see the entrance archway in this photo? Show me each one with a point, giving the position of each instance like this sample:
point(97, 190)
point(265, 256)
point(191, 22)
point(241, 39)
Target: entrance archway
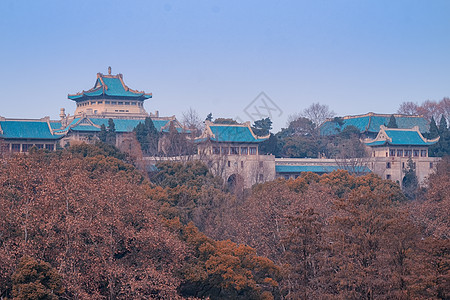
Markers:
point(235, 183)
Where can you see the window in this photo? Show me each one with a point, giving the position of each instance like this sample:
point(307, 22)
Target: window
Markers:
point(399, 153)
point(50, 147)
point(387, 154)
point(107, 102)
point(242, 164)
point(39, 146)
point(388, 165)
point(252, 150)
point(216, 150)
point(15, 147)
point(261, 177)
point(100, 102)
point(229, 164)
point(261, 164)
point(234, 150)
point(114, 102)
point(416, 153)
point(388, 176)
point(403, 165)
point(286, 177)
point(120, 103)
point(431, 165)
point(225, 150)
point(133, 103)
point(391, 152)
point(244, 150)
point(26, 147)
point(127, 103)
point(408, 153)
point(423, 153)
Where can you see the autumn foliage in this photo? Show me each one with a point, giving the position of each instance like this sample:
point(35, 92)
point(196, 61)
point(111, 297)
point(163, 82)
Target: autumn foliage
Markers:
point(91, 220)
point(84, 223)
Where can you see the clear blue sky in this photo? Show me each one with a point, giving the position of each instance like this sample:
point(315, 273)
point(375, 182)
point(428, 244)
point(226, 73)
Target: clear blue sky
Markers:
point(217, 56)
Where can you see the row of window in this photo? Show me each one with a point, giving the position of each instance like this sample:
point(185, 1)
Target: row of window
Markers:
point(407, 153)
point(388, 165)
point(15, 148)
point(110, 103)
point(235, 150)
point(261, 164)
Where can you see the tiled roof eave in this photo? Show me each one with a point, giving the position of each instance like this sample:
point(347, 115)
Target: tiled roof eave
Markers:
point(54, 137)
point(236, 142)
point(378, 144)
point(106, 96)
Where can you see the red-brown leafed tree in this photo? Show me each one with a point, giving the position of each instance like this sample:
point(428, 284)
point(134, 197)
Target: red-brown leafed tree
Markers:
point(431, 213)
point(92, 220)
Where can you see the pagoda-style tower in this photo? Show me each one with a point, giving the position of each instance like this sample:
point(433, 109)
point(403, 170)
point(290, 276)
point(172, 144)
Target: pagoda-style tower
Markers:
point(110, 98)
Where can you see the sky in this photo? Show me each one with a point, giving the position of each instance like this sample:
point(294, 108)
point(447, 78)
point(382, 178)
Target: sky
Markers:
point(236, 59)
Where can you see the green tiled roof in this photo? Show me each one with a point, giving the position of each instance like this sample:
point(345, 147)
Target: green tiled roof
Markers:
point(402, 137)
point(372, 122)
point(314, 169)
point(233, 133)
point(55, 125)
point(110, 86)
point(26, 130)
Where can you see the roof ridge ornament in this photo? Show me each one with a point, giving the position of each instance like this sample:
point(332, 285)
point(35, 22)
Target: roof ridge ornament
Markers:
point(109, 70)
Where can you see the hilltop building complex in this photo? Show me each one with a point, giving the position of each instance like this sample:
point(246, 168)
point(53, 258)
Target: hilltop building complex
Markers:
point(229, 150)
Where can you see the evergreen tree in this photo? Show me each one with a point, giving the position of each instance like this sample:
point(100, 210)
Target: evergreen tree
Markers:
point(442, 147)
point(147, 136)
point(262, 127)
point(111, 134)
point(225, 121)
point(434, 131)
point(339, 122)
point(442, 125)
point(269, 146)
point(410, 182)
point(103, 133)
point(392, 122)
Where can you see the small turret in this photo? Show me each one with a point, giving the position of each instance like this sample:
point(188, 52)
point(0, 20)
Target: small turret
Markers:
point(62, 113)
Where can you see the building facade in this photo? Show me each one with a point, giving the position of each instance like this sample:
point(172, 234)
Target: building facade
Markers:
point(232, 152)
point(393, 147)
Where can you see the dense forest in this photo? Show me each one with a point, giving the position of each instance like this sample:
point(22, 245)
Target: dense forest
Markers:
point(85, 223)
